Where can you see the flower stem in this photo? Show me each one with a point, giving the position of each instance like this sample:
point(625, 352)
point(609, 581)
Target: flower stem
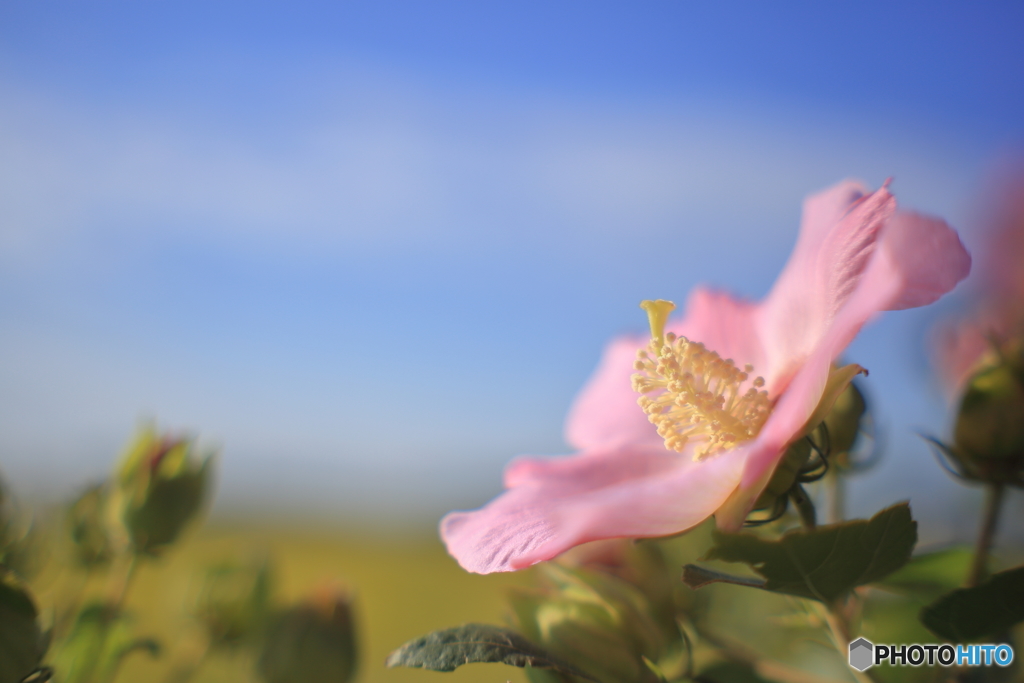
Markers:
point(836, 496)
point(993, 504)
point(837, 618)
point(120, 580)
point(804, 506)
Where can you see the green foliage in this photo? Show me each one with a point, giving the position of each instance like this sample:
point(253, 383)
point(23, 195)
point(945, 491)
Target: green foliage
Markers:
point(100, 640)
point(22, 642)
point(987, 609)
point(88, 528)
point(930, 575)
point(828, 562)
point(448, 649)
point(593, 619)
point(313, 642)
point(234, 603)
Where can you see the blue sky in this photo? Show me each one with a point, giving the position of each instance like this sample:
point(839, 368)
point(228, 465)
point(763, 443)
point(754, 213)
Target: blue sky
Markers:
point(374, 249)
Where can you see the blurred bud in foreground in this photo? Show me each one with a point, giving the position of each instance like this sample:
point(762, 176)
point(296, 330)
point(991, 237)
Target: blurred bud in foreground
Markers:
point(161, 486)
point(988, 438)
point(233, 603)
point(311, 642)
point(22, 642)
point(598, 622)
point(87, 526)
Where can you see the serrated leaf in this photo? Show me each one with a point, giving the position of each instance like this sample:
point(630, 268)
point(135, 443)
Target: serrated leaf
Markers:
point(448, 649)
point(983, 610)
point(828, 562)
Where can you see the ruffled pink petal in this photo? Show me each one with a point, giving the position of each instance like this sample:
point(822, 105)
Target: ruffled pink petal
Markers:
point(821, 275)
point(605, 412)
point(556, 504)
point(890, 281)
point(924, 255)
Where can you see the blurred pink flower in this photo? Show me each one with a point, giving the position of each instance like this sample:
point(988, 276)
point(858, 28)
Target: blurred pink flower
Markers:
point(855, 257)
point(997, 307)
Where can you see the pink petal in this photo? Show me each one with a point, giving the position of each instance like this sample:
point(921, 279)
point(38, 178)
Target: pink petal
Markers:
point(605, 412)
point(556, 504)
point(892, 280)
point(821, 275)
point(925, 255)
point(724, 324)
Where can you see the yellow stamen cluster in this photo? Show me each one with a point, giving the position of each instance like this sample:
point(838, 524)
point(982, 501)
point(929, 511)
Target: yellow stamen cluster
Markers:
point(697, 396)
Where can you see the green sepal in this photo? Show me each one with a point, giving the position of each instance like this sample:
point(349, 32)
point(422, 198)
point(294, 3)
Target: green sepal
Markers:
point(799, 450)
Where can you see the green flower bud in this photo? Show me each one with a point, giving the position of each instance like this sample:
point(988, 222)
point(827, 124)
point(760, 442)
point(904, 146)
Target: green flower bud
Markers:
point(988, 438)
point(313, 642)
point(87, 527)
point(593, 620)
point(233, 602)
point(161, 487)
point(844, 424)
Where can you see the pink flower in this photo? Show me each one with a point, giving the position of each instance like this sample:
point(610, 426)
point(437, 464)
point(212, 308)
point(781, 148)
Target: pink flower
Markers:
point(998, 296)
point(856, 256)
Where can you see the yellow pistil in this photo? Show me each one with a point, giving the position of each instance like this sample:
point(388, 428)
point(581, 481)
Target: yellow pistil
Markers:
point(697, 396)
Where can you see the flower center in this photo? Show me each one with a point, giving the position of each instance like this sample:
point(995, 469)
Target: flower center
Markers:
point(692, 395)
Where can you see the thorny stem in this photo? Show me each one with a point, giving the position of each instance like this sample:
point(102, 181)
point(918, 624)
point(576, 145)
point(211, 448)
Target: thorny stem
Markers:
point(804, 506)
point(993, 503)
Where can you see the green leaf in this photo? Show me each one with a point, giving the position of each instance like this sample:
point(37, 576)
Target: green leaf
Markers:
point(984, 610)
point(450, 648)
point(22, 644)
point(828, 562)
point(930, 575)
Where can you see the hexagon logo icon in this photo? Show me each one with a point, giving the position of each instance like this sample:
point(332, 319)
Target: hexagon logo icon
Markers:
point(862, 654)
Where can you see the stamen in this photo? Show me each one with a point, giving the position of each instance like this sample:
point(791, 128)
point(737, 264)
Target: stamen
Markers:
point(696, 395)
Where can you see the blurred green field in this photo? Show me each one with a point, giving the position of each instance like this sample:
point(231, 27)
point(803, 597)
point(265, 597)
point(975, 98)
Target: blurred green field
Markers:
point(404, 586)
